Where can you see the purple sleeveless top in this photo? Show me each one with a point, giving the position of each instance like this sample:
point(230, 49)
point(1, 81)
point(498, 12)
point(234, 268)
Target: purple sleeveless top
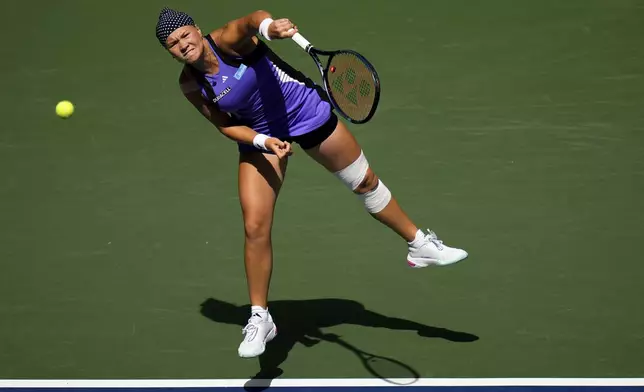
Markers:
point(264, 93)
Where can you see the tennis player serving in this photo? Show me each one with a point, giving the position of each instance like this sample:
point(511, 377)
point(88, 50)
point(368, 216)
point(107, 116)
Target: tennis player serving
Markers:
point(256, 99)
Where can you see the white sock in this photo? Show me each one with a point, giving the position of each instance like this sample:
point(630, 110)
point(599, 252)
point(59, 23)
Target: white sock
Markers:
point(263, 313)
point(419, 240)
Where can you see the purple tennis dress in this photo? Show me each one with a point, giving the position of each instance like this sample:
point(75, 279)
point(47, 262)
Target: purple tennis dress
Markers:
point(264, 93)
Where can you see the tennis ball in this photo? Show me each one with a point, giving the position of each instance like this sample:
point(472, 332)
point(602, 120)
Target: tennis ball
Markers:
point(64, 109)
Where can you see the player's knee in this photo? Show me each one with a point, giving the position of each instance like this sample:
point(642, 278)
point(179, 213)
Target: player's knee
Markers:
point(362, 180)
point(369, 182)
point(376, 198)
point(257, 229)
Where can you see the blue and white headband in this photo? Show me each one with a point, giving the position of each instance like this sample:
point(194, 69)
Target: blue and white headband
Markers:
point(169, 21)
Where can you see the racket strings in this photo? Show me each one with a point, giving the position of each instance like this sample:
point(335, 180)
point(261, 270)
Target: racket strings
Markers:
point(351, 85)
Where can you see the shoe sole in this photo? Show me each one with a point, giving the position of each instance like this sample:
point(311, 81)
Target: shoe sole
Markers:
point(270, 336)
point(431, 263)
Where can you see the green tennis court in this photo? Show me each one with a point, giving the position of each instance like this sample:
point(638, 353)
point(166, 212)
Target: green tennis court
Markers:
point(514, 129)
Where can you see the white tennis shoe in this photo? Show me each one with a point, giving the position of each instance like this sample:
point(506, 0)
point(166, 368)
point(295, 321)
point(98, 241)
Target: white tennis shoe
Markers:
point(430, 251)
point(259, 331)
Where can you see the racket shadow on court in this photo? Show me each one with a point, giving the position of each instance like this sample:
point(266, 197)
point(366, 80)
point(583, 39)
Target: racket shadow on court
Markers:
point(301, 321)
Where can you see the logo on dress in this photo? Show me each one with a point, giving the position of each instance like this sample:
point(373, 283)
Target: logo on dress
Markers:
point(224, 78)
point(240, 71)
point(221, 94)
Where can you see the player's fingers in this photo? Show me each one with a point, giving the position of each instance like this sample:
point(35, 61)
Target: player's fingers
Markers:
point(275, 142)
point(274, 145)
point(286, 24)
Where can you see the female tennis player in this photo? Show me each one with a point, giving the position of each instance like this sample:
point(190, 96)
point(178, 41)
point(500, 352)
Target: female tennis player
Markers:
point(254, 98)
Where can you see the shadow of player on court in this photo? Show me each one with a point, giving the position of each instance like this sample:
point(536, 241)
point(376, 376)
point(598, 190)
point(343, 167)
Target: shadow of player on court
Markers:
point(300, 321)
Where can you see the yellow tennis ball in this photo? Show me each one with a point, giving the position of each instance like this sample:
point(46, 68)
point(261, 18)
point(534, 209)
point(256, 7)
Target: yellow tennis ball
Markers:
point(64, 109)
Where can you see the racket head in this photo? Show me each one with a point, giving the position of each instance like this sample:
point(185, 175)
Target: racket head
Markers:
point(352, 84)
point(391, 370)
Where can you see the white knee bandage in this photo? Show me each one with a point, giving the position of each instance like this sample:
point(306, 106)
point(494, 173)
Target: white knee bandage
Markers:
point(377, 199)
point(353, 175)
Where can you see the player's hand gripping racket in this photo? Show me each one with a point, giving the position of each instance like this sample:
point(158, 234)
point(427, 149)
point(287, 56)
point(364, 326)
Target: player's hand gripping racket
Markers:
point(350, 81)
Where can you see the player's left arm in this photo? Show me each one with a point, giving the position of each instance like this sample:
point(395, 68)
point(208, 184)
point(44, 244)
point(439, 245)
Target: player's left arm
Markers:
point(239, 36)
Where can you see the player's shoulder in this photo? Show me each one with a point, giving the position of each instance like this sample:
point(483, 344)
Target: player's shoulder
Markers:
point(227, 41)
point(187, 81)
point(185, 75)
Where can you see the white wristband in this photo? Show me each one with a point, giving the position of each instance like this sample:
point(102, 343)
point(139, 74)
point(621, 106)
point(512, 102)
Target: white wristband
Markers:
point(263, 27)
point(259, 141)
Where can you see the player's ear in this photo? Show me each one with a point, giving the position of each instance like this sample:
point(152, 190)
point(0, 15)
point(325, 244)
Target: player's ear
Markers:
point(198, 29)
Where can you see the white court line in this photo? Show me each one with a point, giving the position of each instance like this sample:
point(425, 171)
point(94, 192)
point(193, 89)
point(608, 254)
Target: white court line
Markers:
point(322, 382)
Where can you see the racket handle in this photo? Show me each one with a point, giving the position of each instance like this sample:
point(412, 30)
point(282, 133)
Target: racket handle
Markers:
point(303, 42)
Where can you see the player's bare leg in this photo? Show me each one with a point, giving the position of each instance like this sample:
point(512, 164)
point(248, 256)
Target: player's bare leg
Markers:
point(340, 150)
point(341, 154)
point(260, 179)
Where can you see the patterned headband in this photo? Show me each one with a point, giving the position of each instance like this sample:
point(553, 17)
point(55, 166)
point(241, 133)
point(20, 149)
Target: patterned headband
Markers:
point(169, 21)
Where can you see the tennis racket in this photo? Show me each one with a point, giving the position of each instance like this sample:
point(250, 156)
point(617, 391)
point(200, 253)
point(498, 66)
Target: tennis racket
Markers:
point(350, 81)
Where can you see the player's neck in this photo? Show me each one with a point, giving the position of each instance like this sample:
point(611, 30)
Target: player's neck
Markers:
point(208, 62)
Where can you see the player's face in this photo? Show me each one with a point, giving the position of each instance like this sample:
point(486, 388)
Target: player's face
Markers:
point(185, 44)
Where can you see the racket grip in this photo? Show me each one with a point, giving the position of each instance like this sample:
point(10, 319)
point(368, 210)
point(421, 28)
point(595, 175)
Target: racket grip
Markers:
point(303, 42)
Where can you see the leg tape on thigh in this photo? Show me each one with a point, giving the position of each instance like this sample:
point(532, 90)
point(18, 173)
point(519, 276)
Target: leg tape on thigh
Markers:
point(353, 175)
point(376, 199)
